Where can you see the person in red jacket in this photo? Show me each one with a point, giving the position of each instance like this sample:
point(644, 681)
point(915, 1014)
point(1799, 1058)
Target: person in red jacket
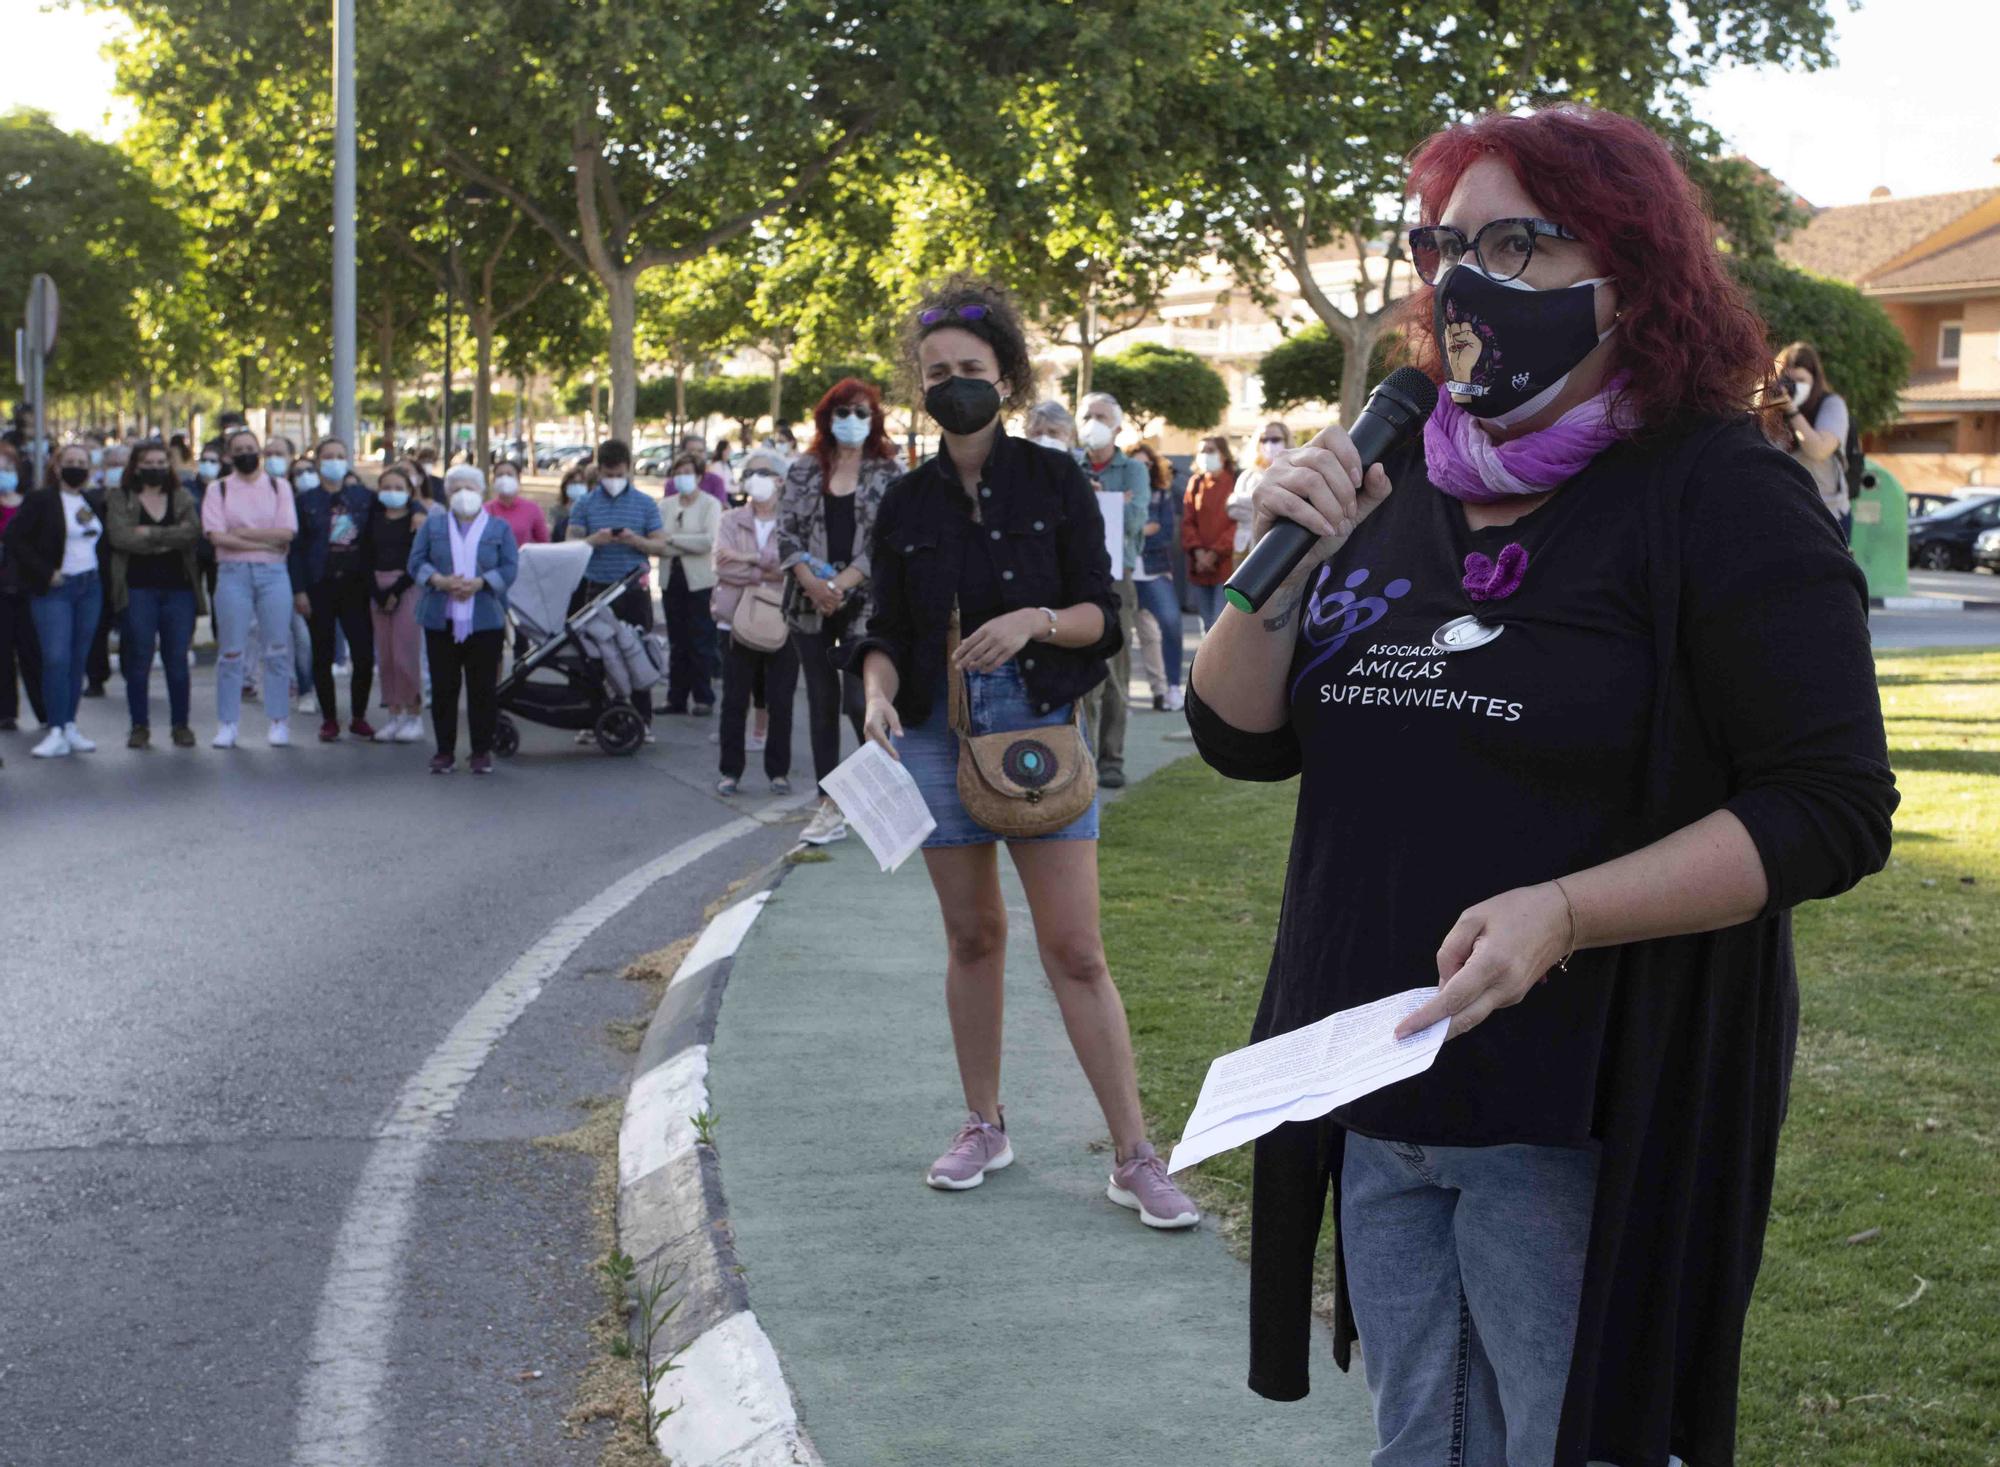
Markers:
point(1208, 534)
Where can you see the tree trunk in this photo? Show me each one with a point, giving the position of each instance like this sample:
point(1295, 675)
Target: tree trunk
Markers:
point(1086, 364)
point(482, 385)
point(1359, 342)
point(309, 409)
point(622, 300)
point(680, 394)
point(385, 348)
point(777, 390)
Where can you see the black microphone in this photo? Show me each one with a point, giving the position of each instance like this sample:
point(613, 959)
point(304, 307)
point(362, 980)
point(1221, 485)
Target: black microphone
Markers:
point(1396, 409)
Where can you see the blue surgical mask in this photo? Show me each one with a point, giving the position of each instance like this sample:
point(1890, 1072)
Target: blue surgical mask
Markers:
point(209, 470)
point(576, 491)
point(114, 476)
point(307, 480)
point(394, 498)
point(852, 431)
point(276, 465)
point(333, 470)
point(686, 483)
point(9, 481)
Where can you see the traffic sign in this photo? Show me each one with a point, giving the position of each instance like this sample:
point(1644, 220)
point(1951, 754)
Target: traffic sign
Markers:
point(42, 313)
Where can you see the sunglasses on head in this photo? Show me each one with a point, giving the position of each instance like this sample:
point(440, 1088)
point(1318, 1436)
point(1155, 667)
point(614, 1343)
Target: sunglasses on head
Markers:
point(938, 313)
point(852, 410)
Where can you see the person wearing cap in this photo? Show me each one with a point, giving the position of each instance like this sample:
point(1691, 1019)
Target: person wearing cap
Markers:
point(464, 561)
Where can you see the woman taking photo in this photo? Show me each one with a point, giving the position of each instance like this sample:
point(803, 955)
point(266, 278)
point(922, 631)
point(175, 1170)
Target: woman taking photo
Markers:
point(386, 542)
point(826, 526)
point(996, 544)
point(1812, 427)
point(1208, 535)
point(747, 573)
point(154, 527)
point(464, 561)
point(52, 547)
point(1580, 691)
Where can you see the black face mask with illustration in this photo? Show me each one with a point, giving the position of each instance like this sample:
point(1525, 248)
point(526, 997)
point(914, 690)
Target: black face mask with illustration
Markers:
point(963, 405)
point(1508, 348)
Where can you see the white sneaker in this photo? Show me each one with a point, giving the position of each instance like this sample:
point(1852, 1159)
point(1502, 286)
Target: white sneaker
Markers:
point(77, 741)
point(225, 736)
point(586, 736)
point(411, 731)
point(752, 742)
point(280, 736)
point(827, 825)
point(54, 746)
point(386, 734)
point(1176, 700)
point(343, 669)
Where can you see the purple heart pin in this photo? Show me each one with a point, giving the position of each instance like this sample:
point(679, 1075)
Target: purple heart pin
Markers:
point(1491, 580)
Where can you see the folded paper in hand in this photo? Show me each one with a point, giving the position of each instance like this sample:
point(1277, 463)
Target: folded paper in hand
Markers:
point(882, 802)
point(1302, 1075)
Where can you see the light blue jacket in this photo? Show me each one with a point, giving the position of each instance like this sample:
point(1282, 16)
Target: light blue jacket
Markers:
point(499, 562)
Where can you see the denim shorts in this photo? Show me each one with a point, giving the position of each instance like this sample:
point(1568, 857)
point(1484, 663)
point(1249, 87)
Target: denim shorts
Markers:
point(999, 704)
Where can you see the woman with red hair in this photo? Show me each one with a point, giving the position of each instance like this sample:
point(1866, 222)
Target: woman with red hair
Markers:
point(826, 520)
point(1580, 691)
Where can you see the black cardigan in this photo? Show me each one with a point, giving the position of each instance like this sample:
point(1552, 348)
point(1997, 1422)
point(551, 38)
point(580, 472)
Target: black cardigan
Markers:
point(35, 540)
point(1047, 542)
point(1780, 723)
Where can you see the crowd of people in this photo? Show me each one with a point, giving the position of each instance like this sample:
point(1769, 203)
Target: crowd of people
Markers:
point(322, 588)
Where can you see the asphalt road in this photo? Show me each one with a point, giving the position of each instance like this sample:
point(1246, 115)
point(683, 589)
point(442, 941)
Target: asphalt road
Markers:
point(218, 974)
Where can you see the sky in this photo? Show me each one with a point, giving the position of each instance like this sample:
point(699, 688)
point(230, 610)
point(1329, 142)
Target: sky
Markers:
point(1913, 104)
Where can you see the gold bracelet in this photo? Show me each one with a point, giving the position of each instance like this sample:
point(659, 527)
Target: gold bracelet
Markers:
point(1562, 963)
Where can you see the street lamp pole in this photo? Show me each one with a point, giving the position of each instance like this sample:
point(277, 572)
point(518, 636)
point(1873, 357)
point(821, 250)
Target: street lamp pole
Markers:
point(343, 223)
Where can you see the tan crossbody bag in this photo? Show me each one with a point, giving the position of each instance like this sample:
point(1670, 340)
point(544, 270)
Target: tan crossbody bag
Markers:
point(1024, 783)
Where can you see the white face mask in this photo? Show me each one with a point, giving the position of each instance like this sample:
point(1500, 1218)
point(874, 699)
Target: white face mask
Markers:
point(1208, 463)
point(276, 465)
point(1049, 440)
point(1272, 447)
point(686, 483)
point(761, 487)
point(506, 488)
point(574, 492)
point(1095, 433)
point(613, 487)
point(465, 503)
point(307, 479)
point(1800, 392)
point(334, 469)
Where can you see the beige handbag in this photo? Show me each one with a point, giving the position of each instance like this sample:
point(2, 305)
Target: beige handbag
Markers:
point(1024, 783)
point(759, 622)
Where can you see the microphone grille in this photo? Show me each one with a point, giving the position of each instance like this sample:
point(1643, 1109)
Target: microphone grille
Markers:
point(1415, 385)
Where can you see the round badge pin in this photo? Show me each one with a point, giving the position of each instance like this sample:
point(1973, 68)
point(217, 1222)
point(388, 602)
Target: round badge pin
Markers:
point(1464, 634)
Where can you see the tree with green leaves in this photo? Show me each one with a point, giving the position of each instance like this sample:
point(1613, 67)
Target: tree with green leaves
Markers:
point(1309, 365)
point(1316, 107)
point(1162, 382)
point(80, 212)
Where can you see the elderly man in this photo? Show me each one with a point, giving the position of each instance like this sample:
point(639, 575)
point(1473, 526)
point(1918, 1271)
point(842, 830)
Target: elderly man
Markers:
point(1112, 472)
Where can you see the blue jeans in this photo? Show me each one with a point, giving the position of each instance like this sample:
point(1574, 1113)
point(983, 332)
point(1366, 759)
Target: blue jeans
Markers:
point(1464, 1267)
point(65, 621)
point(1208, 603)
point(1158, 597)
point(165, 618)
point(245, 593)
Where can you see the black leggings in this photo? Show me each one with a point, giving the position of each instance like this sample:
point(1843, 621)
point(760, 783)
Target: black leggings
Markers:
point(20, 656)
point(829, 693)
point(476, 663)
point(343, 601)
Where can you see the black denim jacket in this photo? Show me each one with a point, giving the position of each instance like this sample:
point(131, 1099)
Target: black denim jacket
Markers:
point(1047, 540)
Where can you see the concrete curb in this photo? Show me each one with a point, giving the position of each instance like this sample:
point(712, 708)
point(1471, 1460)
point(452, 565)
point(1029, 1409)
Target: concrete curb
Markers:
point(731, 1404)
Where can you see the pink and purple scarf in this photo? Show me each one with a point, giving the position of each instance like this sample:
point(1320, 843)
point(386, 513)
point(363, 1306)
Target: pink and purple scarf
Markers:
point(1466, 463)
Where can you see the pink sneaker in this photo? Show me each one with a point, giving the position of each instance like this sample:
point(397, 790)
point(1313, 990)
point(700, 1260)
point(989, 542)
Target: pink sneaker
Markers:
point(977, 1149)
point(1143, 1185)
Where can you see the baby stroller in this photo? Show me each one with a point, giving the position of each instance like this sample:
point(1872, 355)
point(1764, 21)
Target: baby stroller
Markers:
point(580, 668)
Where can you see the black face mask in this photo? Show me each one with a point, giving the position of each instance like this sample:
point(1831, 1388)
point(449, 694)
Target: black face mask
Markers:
point(963, 405)
point(246, 463)
point(152, 478)
point(75, 475)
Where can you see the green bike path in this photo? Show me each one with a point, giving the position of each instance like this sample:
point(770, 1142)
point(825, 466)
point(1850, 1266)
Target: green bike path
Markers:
point(1029, 1321)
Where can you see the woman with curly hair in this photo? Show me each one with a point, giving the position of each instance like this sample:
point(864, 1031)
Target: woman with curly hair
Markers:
point(1579, 691)
point(1000, 540)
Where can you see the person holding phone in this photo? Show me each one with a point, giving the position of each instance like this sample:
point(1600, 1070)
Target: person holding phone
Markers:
point(625, 531)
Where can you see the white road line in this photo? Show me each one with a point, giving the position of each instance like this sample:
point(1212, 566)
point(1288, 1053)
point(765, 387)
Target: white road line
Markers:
point(340, 1397)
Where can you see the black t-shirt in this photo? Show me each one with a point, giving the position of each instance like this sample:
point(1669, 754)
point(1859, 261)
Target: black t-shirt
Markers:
point(839, 528)
point(389, 541)
point(164, 570)
point(1433, 781)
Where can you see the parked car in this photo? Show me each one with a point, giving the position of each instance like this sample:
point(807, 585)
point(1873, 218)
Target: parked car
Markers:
point(1942, 540)
point(546, 454)
point(651, 461)
point(1923, 504)
point(1986, 550)
point(565, 459)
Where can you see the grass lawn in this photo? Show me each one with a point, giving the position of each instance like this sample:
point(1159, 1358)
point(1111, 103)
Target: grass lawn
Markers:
point(1874, 1339)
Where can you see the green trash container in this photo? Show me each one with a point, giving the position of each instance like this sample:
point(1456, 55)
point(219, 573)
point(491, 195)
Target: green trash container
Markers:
point(1882, 532)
